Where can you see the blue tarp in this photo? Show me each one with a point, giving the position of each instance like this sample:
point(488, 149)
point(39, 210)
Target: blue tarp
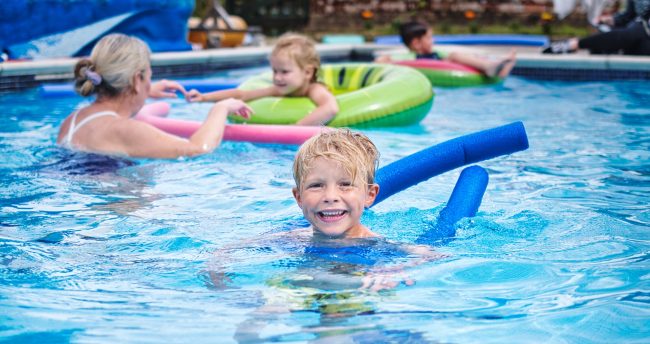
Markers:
point(61, 28)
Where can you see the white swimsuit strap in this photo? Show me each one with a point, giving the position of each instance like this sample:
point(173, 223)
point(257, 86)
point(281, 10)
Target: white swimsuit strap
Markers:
point(74, 127)
point(68, 138)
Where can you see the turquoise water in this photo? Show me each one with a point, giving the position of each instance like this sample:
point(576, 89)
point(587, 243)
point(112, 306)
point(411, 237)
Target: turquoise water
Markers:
point(102, 250)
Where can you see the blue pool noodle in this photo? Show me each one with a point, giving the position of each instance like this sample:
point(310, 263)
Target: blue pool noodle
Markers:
point(206, 85)
point(449, 155)
point(464, 201)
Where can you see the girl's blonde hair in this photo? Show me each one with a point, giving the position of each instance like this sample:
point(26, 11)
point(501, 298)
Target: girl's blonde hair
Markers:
point(114, 61)
point(354, 151)
point(301, 49)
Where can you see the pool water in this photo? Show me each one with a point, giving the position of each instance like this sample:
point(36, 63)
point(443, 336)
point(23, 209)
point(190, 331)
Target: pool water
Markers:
point(114, 250)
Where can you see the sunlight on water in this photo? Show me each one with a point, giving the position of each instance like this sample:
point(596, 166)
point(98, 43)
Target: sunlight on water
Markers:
point(94, 249)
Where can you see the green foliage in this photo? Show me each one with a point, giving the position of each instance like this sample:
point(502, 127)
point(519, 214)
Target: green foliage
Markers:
point(201, 7)
point(443, 28)
point(473, 27)
point(515, 27)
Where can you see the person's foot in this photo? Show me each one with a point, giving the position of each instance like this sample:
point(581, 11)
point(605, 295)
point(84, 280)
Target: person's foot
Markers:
point(502, 67)
point(559, 47)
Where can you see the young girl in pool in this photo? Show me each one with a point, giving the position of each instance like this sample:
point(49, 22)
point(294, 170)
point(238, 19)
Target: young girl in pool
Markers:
point(295, 63)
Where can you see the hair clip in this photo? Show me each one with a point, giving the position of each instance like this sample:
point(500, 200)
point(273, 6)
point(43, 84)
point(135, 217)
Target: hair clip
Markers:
point(94, 77)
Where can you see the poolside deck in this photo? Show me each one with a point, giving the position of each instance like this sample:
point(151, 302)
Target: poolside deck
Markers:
point(530, 63)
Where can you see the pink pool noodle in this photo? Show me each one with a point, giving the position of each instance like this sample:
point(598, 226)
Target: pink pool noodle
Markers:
point(155, 113)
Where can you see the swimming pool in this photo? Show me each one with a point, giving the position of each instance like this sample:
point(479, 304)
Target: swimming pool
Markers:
point(102, 250)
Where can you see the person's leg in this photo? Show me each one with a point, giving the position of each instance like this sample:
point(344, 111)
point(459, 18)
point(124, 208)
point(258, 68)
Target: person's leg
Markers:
point(643, 48)
point(500, 68)
point(627, 39)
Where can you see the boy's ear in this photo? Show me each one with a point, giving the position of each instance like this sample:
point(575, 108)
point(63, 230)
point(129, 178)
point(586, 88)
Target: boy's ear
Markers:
point(296, 195)
point(373, 191)
point(416, 43)
point(412, 45)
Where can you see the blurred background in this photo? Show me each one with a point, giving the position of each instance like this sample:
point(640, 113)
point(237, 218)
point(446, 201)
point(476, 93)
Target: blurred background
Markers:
point(59, 28)
point(380, 17)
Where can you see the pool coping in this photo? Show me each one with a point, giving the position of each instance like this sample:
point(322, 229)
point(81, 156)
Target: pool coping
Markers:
point(25, 74)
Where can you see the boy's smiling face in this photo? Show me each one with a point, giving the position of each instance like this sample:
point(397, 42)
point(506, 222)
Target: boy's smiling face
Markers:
point(333, 202)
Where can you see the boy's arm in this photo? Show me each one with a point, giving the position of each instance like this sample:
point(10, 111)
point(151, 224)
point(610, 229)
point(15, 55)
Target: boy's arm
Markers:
point(326, 106)
point(226, 257)
point(244, 95)
point(392, 276)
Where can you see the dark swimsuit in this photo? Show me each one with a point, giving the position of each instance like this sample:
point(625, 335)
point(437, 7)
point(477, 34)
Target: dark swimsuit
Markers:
point(434, 56)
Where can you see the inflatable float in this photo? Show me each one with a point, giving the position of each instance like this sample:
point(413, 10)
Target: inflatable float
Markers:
point(368, 95)
point(155, 114)
point(59, 90)
point(470, 187)
point(449, 74)
point(477, 39)
point(449, 155)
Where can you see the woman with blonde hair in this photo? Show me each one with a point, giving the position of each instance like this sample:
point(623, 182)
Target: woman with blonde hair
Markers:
point(118, 72)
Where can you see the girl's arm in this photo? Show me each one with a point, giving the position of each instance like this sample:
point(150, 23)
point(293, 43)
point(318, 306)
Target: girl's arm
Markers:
point(326, 106)
point(139, 139)
point(244, 95)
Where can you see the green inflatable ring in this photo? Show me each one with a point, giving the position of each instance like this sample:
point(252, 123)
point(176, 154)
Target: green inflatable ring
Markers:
point(368, 95)
point(443, 73)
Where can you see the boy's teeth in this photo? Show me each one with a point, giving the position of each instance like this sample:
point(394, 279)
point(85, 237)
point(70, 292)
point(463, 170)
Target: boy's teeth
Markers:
point(332, 213)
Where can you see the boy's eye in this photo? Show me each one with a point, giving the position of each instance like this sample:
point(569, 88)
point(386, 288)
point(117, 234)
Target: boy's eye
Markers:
point(346, 185)
point(314, 185)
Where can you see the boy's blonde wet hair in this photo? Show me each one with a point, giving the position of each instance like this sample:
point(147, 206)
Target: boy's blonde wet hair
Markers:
point(354, 151)
point(116, 58)
point(301, 49)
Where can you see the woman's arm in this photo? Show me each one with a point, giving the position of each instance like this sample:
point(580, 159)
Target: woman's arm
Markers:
point(326, 106)
point(244, 95)
point(166, 89)
point(138, 139)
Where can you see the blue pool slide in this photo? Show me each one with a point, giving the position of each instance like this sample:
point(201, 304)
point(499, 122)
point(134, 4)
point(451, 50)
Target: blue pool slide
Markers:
point(64, 28)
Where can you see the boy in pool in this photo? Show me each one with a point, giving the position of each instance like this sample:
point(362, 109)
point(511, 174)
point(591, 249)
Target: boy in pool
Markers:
point(418, 37)
point(334, 174)
point(330, 266)
point(295, 63)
